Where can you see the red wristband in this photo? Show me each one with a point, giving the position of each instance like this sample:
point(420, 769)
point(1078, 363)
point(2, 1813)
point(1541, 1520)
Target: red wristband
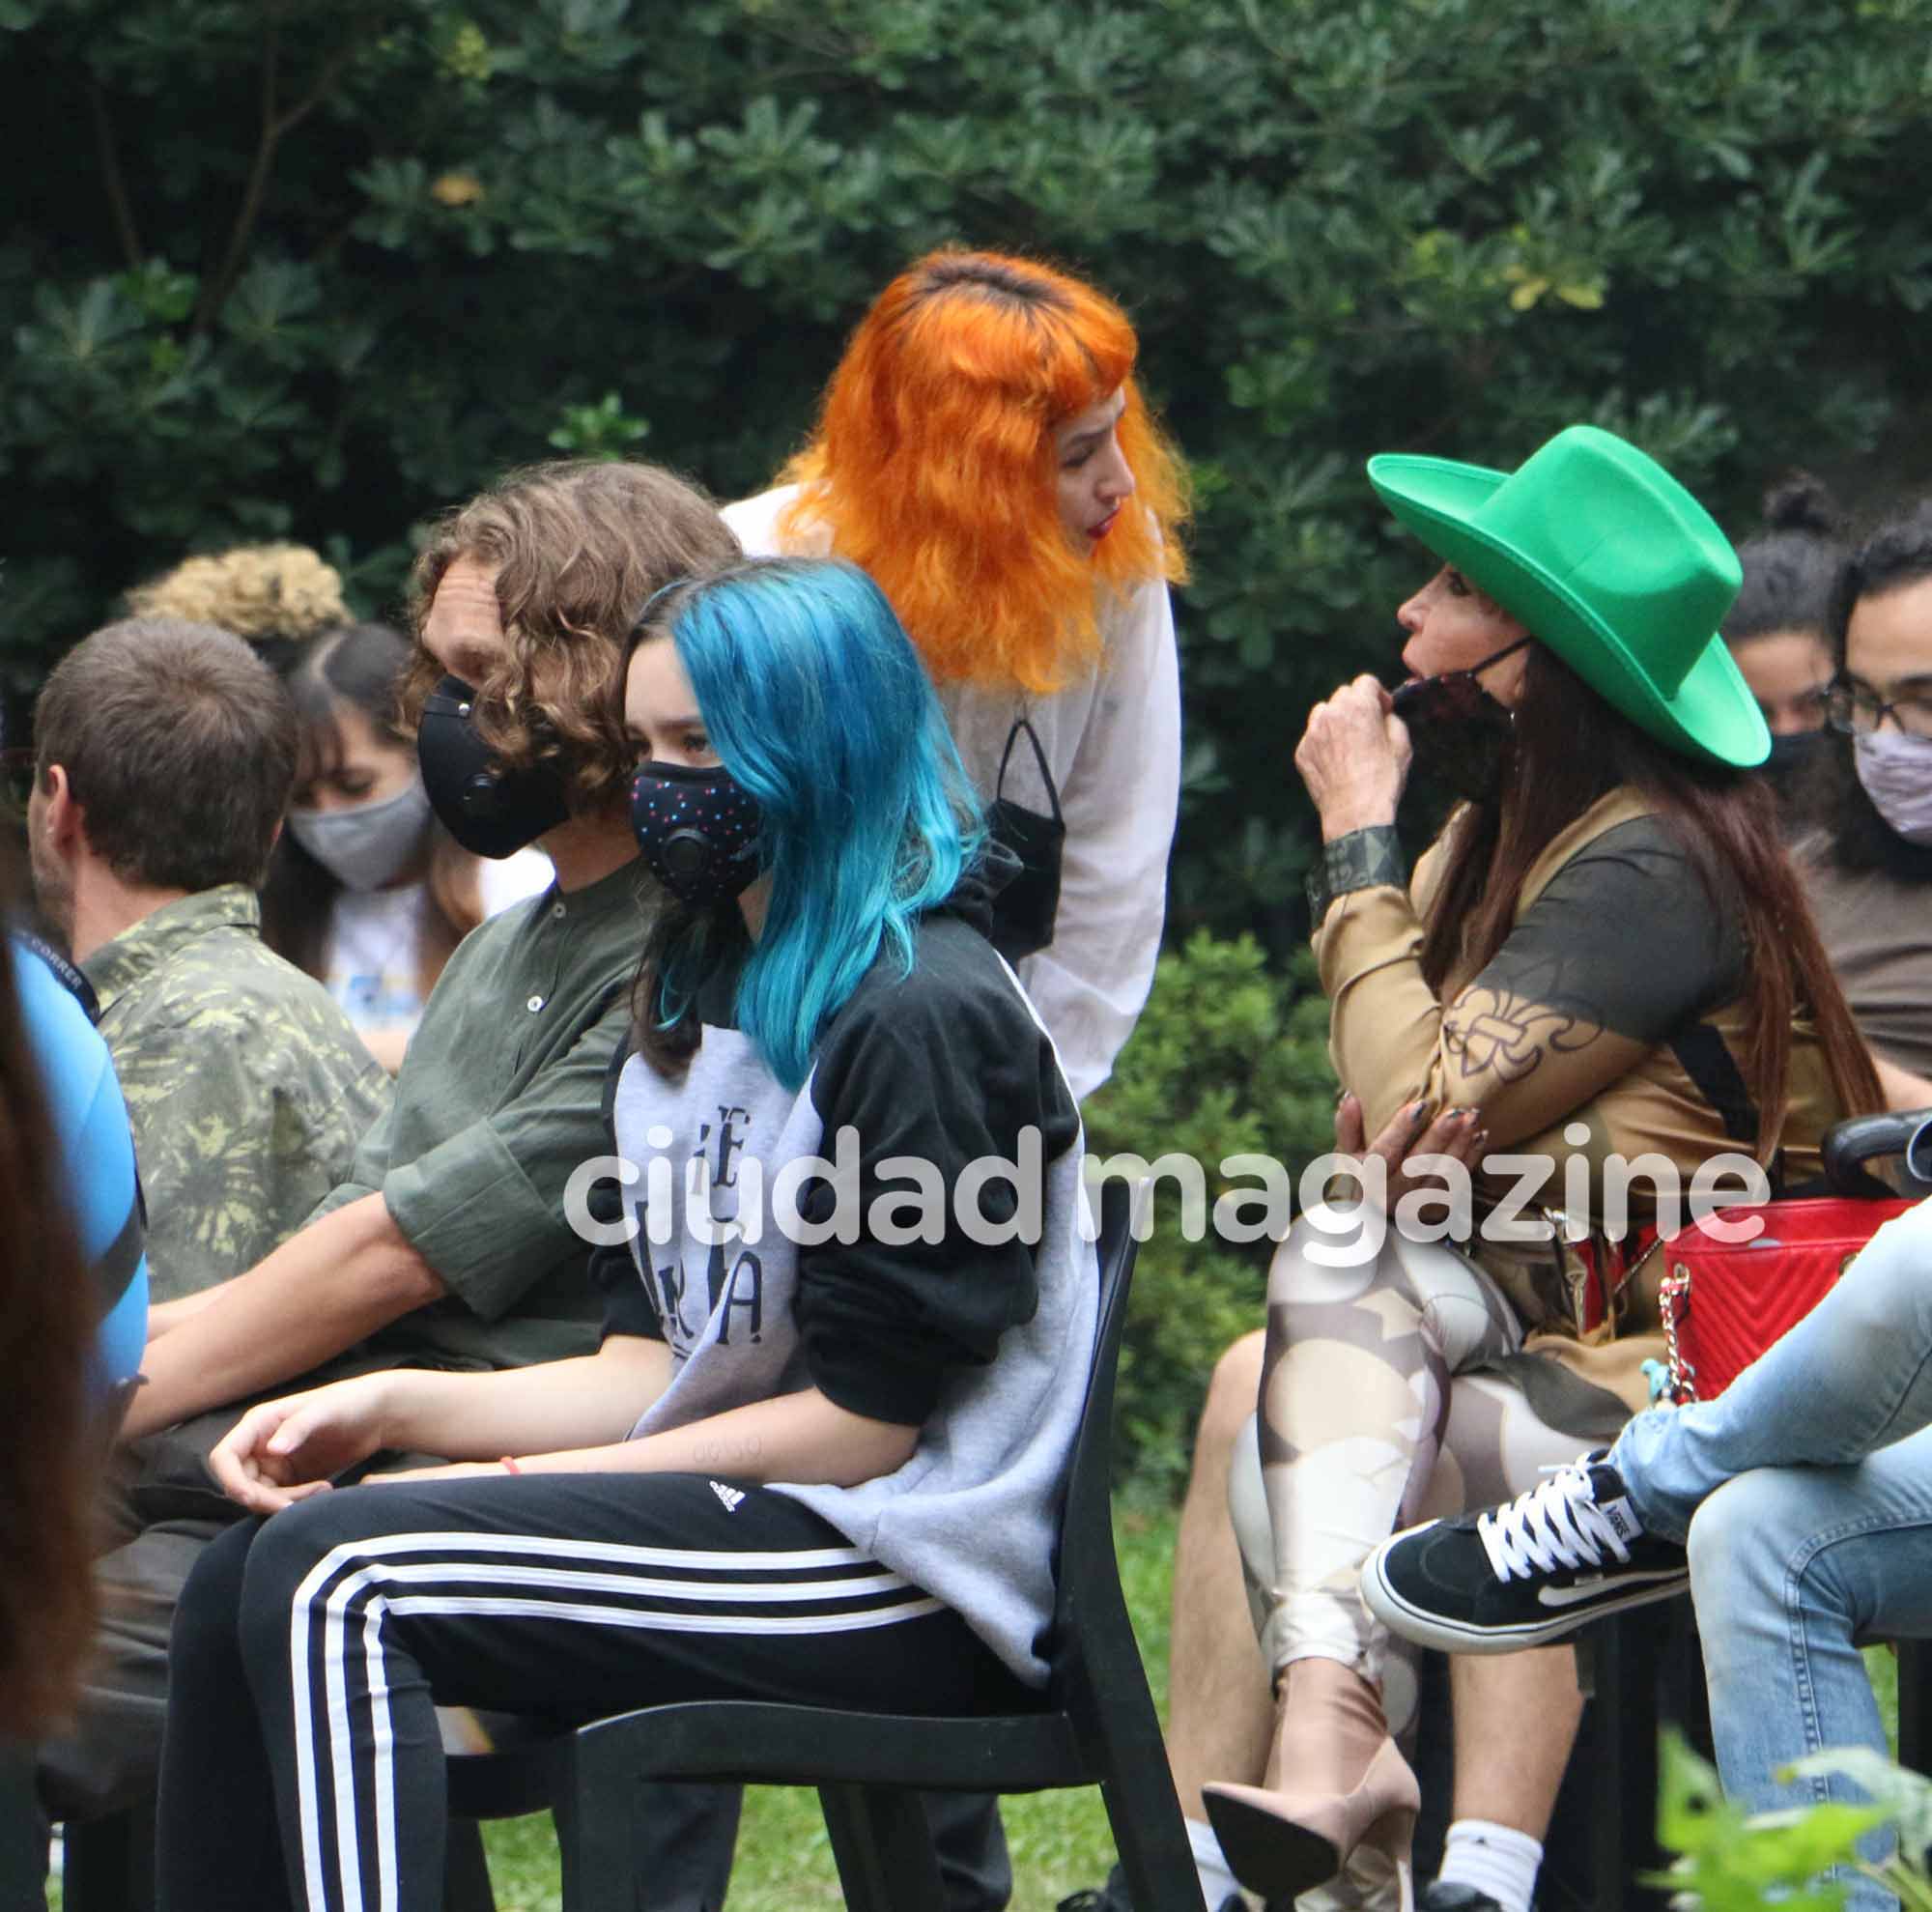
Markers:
point(511, 1465)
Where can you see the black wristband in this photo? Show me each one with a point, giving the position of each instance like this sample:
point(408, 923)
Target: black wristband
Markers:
point(1362, 860)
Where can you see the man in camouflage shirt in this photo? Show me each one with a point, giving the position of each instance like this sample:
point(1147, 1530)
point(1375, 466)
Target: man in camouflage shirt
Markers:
point(164, 756)
point(165, 753)
point(248, 1086)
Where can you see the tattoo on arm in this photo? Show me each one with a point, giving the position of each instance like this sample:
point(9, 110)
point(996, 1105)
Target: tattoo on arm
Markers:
point(1505, 1034)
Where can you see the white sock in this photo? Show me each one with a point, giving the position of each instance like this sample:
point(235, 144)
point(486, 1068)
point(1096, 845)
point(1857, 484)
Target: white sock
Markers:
point(1216, 1881)
point(1495, 1858)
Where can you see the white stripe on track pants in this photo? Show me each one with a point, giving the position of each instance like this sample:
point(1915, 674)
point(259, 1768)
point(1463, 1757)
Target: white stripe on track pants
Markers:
point(302, 1766)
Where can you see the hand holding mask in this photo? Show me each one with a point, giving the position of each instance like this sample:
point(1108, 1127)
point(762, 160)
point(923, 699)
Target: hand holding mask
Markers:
point(1462, 734)
point(1353, 756)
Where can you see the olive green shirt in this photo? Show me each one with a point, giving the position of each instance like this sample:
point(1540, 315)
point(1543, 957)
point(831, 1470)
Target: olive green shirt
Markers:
point(246, 1086)
point(499, 1101)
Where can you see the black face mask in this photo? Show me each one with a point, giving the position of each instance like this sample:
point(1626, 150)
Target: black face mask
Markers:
point(1791, 759)
point(490, 810)
point(698, 830)
point(1025, 906)
point(1460, 733)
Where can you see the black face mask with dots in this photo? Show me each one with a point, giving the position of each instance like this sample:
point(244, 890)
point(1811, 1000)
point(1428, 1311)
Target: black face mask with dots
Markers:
point(698, 829)
point(490, 810)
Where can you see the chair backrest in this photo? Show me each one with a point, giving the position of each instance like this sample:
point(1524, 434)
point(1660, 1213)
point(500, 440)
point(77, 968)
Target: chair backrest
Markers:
point(1089, 1611)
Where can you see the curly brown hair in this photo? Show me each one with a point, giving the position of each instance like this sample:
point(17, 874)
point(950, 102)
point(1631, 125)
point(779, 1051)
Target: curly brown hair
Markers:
point(578, 547)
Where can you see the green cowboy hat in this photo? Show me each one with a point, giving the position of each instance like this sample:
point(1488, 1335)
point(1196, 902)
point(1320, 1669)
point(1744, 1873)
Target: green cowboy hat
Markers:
point(1602, 554)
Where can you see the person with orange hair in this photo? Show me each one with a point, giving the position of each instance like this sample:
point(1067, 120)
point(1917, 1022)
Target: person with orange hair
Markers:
point(984, 453)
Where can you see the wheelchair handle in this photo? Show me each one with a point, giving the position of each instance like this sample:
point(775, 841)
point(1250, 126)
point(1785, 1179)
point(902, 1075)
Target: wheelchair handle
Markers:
point(1849, 1145)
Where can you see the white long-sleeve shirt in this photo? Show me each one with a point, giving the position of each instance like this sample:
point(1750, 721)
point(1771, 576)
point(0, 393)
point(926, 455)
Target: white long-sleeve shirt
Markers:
point(1113, 744)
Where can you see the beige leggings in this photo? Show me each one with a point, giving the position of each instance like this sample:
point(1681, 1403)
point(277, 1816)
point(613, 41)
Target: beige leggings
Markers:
point(1371, 1419)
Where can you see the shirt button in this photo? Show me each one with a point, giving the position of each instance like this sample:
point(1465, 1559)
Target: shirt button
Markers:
point(556, 909)
point(534, 1004)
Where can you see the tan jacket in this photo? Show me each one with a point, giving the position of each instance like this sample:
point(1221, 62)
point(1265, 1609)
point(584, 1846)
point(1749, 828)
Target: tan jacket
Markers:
point(1554, 1080)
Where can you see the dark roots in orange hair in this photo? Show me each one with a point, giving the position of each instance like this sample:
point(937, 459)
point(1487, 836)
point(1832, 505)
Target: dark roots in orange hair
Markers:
point(933, 467)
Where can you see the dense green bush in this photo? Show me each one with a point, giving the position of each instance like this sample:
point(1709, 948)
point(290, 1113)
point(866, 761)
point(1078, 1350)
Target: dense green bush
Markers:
point(321, 266)
point(1229, 1058)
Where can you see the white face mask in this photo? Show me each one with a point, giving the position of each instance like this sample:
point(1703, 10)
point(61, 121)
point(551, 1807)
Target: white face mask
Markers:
point(1896, 771)
point(368, 845)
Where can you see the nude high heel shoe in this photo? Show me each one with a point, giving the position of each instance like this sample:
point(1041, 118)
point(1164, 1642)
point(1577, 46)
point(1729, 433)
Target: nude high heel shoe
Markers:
point(1282, 1841)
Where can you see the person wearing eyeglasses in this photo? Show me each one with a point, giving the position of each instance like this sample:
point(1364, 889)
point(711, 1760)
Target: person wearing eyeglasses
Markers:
point(1867, 866)
point(1603, 956)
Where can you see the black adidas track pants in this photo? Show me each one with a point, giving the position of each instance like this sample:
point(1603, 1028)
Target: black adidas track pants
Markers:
point(302, 1766)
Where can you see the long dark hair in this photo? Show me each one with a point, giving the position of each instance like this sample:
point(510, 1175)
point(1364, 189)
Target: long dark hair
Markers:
point(1725, 819)
point(1792, 567)
point(1894, 556)
point(362, 666)
point(46, 1585)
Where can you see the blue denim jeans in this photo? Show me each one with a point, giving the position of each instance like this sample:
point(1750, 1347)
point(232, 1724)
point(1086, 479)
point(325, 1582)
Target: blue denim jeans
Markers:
point(1804, 1493)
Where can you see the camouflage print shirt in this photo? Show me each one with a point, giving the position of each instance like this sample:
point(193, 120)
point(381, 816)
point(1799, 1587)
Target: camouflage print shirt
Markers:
point(247, 1087)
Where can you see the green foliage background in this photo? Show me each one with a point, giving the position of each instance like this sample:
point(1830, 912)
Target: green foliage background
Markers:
point(319, 267)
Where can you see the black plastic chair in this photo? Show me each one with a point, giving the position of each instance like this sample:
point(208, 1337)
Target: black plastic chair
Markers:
point(1096, 1723)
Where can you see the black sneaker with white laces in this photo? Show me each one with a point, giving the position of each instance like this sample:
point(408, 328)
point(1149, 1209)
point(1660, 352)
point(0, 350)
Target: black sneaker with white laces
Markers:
point(1553, 1560)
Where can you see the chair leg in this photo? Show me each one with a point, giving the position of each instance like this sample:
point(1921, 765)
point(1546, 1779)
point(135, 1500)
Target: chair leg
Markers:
point(1151, 1837)
point(466, 1871)
point(883, 1846)
point(1914, 1704)
point(1618, 1657)
point(595, 1851)
point(107, 1865)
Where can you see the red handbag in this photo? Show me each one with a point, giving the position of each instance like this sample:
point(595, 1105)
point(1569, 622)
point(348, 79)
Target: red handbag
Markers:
point(1723, 1303)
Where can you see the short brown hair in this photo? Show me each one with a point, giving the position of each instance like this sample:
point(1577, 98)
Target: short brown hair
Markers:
point(179, 744)
point(578, 547)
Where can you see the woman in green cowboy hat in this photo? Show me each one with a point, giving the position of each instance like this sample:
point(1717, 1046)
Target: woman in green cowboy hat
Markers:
point(1603, 956)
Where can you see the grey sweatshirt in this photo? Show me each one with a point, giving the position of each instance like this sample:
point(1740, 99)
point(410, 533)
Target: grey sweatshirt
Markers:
point(946, 1294)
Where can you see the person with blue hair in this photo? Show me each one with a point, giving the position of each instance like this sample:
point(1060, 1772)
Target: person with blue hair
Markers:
point(850, 1306)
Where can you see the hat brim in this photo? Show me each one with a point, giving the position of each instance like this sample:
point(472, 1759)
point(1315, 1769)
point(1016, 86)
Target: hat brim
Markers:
point(1712, 715)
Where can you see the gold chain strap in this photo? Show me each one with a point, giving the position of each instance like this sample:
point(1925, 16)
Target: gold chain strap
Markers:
point(1674, 1292)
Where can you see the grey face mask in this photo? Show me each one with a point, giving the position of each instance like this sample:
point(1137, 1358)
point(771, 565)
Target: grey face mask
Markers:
point(365, 847)
point(1896, 771)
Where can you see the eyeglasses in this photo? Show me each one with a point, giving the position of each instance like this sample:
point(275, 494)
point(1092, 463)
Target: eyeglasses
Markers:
point(1852, 706)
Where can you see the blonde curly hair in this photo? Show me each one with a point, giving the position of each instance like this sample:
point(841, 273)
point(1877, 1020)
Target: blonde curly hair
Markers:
point(255, 590)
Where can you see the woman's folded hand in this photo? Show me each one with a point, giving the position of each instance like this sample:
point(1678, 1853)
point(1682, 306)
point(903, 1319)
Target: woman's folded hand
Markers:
point(283, 1451)
point(1417, 1129)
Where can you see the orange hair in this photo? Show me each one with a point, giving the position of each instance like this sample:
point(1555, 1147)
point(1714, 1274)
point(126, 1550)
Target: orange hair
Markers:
point(933, 467)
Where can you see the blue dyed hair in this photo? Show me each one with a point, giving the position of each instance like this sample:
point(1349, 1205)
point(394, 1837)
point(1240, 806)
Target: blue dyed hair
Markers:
point(817, 704)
